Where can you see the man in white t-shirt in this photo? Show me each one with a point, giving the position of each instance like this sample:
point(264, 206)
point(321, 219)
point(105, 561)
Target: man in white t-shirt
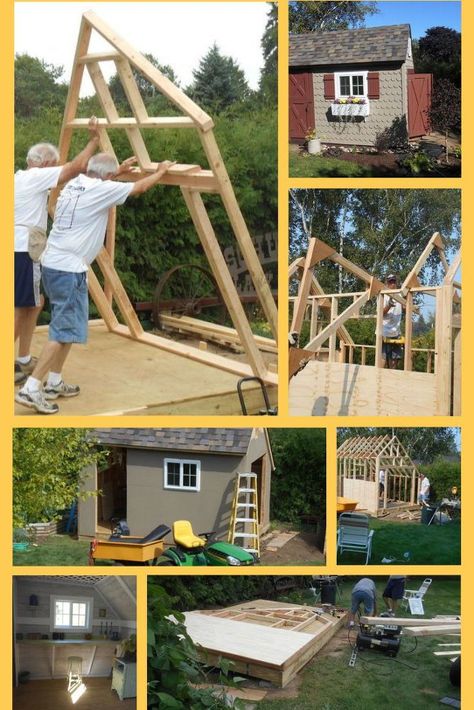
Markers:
point(392, 351)
point(32, 188)
point(424, 489)
point(77, 236)
point(381, 482)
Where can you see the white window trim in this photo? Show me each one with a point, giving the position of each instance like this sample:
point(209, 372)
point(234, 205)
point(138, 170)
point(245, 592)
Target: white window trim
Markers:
point(337, 83)
point(181, 487)
point(88, 601)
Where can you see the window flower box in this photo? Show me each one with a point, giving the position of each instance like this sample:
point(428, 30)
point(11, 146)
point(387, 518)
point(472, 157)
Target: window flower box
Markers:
point(350, 107)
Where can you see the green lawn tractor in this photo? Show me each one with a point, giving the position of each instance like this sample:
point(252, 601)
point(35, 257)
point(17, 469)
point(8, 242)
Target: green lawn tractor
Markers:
point(192, 550)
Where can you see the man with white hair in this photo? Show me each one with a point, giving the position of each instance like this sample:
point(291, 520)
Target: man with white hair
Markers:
point(75, 240)
point(32, 188)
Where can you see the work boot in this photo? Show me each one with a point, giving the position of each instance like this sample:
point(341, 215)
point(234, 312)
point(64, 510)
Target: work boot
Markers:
point(36, 400)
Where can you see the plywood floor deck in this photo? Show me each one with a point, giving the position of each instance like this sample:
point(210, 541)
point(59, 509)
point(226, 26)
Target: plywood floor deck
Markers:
point(48, 694)
point(264, 639)
point(118, 375)
point(339, 389)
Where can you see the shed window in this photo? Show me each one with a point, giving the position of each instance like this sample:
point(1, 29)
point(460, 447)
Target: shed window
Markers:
point(71, 613)
point(351, 84)
point(182, 475)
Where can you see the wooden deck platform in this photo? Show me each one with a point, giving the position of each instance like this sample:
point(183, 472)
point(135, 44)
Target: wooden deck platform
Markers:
point(120, 376)
point(322, 388)
point(263, 639)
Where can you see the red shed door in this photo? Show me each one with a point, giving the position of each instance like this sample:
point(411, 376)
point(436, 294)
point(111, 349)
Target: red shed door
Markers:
point(419, 102)
point(301, 105)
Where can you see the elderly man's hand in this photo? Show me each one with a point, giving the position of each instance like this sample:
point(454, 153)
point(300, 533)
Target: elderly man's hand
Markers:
point(164, 166)
point(93, 128)
point(127, 165)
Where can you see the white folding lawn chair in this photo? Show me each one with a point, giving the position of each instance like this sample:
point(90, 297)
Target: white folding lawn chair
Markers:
point(410, 595)
point(354, 535)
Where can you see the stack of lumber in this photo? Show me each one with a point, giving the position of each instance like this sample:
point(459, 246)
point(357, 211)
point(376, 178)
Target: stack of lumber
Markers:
point(263, 639)
point(438, 626)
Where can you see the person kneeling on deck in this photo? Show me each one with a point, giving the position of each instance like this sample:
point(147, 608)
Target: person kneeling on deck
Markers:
point(32, 188)
point(392, 346)
point(76, 238)
point(365, 593)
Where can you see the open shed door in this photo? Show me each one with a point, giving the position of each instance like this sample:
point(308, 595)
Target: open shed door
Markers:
point(419, 102)
point(301, 105)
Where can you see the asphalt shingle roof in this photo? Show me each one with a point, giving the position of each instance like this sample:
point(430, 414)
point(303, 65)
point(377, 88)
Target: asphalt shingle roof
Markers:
point(372, 44)
point(227, 441)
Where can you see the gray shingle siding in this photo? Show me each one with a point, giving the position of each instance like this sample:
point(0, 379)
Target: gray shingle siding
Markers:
point(383, 111)
point(388, 43)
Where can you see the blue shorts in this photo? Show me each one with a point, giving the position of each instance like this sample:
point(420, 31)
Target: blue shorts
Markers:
point(67, 293)
point(361, 597)
point(395, 589)
point(392, 351)
point(27, 281)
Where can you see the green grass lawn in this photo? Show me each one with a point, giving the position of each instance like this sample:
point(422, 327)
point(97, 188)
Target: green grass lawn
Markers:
point(317, 166)
point(413, 679)
point(428, 544)
point(60, 550)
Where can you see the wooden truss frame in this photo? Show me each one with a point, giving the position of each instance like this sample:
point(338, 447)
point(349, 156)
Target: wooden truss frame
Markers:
point(447, 351)
point(363, 457)
point(192, 180)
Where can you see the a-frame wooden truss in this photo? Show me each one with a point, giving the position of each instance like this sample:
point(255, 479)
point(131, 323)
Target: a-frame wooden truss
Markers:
point(359, 462)
point(191, 179)
point(447, 349)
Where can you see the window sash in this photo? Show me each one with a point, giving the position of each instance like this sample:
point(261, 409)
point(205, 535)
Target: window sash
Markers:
point(71, 613)
point(351, 84)
point(182, 474)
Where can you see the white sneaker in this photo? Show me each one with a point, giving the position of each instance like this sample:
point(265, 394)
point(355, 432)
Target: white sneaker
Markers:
point(36, 400)
point(61, 390)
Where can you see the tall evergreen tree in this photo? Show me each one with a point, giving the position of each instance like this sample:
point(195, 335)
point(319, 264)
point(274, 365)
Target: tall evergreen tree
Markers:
point(218, 82)
point(269, 42)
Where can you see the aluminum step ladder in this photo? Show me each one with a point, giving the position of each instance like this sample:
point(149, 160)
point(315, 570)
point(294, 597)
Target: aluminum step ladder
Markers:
point(243, 528)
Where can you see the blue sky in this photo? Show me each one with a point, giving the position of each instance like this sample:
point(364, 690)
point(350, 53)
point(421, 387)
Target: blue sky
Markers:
point(420, 15)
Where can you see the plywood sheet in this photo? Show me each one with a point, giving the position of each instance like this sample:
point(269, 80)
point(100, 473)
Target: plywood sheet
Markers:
point(121, 376)
point(366, 493)
point(237, 639)
point(354, 390)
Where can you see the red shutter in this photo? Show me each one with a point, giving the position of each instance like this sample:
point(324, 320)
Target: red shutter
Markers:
point(373, 82)
point(329, 88)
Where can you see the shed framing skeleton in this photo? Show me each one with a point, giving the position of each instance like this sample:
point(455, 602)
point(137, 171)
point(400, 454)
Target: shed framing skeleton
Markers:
point(325, 376)
point(359, 462)
point(192, 180)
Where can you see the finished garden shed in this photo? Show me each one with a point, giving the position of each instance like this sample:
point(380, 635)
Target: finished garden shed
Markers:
point(357, 87)
point(157, 476)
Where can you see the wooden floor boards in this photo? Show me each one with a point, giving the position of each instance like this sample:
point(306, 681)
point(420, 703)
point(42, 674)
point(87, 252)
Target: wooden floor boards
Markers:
point(48, 694)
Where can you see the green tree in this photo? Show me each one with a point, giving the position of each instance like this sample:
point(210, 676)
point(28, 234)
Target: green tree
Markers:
point(37, 86)
point(381, 230)
point(48, 468)
point(438, 52)
point(150, 94)
point(325, 16)
point(299, 479)
point(269, 76)
point(218, 82)
point(445, 109)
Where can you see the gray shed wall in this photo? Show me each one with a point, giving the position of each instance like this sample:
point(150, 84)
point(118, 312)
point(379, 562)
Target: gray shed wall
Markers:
point(150, 504)
point(391, 105)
